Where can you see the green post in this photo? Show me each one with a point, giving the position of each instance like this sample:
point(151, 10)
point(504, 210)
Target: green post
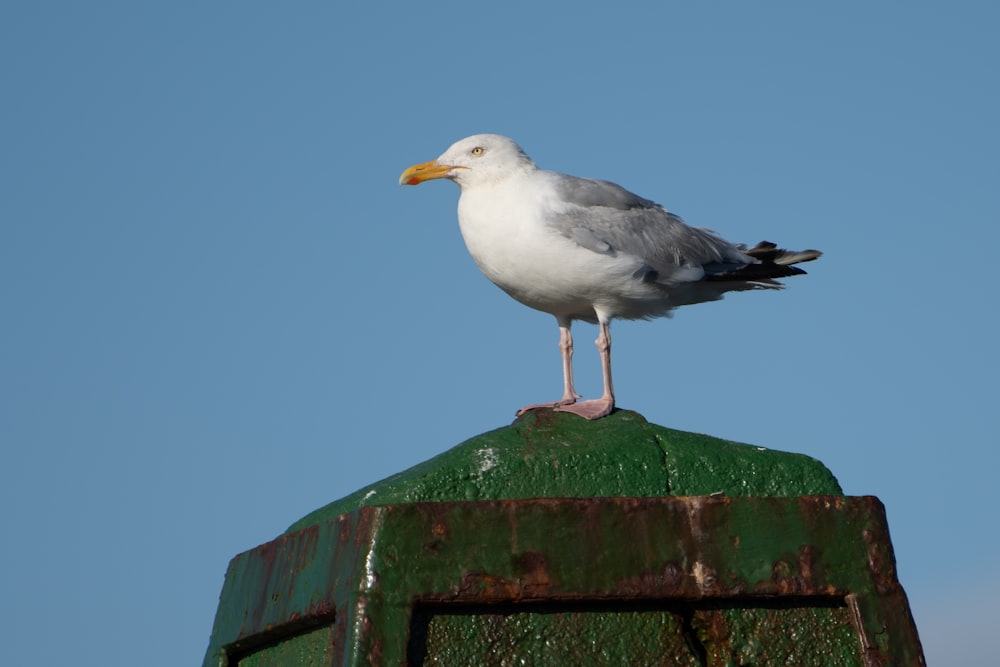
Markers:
point(557, 541)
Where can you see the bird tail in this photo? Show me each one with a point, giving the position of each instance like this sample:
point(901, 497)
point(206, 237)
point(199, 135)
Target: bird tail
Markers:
point(772, 262)
point(765, 251)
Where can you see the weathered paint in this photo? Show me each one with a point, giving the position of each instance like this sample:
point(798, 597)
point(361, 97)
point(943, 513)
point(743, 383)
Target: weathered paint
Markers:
point(724, 567)
point(310, 649)
point(615, 635)
point(561, 541)
point(554, 636)
point(548, 454)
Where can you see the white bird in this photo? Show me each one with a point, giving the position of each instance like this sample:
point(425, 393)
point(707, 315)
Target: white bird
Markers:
point(584, 249)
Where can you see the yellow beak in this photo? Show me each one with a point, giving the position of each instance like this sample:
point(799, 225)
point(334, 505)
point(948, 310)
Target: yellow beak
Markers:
point(425, 171)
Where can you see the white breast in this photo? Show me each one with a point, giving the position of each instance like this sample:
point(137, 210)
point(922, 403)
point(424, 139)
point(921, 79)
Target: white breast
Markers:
point(505, 231)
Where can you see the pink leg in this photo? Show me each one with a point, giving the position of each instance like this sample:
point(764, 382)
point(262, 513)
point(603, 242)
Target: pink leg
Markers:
point(599, 407)
point(569, 393)
point(566, 348)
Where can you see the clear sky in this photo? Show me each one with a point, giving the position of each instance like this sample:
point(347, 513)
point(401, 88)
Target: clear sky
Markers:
point(220, 311)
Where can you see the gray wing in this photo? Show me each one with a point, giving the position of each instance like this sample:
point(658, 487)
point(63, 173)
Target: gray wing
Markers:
point(606, 218)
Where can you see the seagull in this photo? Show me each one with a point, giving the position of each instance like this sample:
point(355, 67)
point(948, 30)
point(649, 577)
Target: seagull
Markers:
point(590, 250)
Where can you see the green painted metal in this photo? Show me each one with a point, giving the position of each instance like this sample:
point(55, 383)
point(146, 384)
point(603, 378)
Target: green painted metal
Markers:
point(310, 649)
point(561, 541)
point(738, 576)
point(548, 454)
point(819, 636)
point(553, 637)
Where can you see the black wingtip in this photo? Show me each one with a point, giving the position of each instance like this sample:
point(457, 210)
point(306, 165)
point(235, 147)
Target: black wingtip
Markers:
point(773, 262)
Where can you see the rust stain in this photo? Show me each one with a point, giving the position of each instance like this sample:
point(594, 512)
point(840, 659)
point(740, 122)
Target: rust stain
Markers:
point(804, 577)
point(265, 555)
point(375, 652)
point(486, 587)
point(528, 563)
point(667, 581)
point(533, 572)
point(881, 560)
point(533, 581)
point(345, 530)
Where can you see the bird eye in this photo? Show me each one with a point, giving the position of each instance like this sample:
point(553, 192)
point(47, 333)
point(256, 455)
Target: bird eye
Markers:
point(478, 150)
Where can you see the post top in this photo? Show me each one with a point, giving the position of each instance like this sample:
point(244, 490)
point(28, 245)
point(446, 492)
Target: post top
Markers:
point(548, 454)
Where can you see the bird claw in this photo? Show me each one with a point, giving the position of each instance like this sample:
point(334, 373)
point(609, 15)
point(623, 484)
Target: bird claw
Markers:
point(592, 409)
point(554, 405)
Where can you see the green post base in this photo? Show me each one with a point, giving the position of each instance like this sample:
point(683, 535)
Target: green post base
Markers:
point(557, 541)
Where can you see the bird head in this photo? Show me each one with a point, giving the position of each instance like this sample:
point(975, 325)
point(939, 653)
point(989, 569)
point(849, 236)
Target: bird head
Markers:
point(481, 158)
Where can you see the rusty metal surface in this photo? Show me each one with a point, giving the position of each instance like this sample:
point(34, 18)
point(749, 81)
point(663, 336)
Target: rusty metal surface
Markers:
point(736, 566)
point(678, 633)
point(313, 648)
point(546, 454)
point(551, 635)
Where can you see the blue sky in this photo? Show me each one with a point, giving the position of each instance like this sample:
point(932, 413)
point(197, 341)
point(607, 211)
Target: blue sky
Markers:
point(220, 312)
